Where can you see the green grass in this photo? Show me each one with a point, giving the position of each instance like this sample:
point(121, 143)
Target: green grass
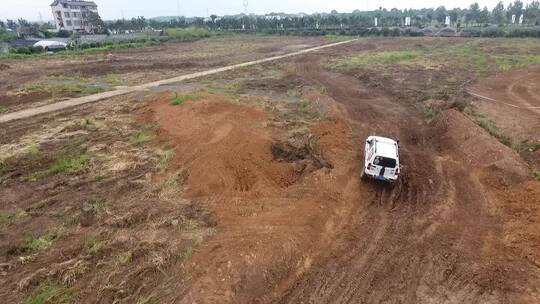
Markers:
point(3, 167)
point(181, 98)
point(78, 87)
point(382, 58)
point(511, 62)
point(34, 155)
point(50, 294)
point(71, 163)
point(323, 90)
point(294, 92)
point(144, 135)
point(231, 89)
point(164, 161)
point(3, 110)
point(124, 258)
point(35, 244)
point(191, 33)
point(537, 175)
point(119, 45)
point(93, 246)
point(306, 110)
point(490, 126)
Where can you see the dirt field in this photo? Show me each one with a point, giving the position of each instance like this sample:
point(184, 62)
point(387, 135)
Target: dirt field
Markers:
point(245, 187)
point(42, 80)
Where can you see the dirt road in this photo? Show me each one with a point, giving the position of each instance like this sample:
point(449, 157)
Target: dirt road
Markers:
point(433, 238)
point(122, 91)
point(439, 236)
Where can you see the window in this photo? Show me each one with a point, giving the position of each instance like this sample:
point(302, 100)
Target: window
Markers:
point(77, 23)
point(66, 14)
point(65, 5)
point(68, 22)
point(385, 162)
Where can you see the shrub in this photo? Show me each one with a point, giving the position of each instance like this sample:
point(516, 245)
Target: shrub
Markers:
point(180, 99)
point(192, 33)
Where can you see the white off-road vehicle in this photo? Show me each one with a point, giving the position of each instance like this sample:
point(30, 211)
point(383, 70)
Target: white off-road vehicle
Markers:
point(381, 159)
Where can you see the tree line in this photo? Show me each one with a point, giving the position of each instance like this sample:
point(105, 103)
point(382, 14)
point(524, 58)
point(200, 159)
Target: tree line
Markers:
point(471, 17)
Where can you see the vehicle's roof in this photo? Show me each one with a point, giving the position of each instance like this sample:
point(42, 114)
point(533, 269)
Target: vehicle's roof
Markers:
point(386, 147)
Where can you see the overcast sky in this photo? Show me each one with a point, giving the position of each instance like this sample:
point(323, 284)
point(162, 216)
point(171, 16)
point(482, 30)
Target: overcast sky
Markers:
point(112, 9)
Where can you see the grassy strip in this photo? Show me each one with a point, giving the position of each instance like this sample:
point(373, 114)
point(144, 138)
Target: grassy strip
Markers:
point(488, 125)
point(181, 98)
point(369, 59)
point(172, 34)
point(35, 244)
point(50, 294)
point(59, 88)
point(188, 33)
point(72, 163)
point(3, 167)
point(145, 134)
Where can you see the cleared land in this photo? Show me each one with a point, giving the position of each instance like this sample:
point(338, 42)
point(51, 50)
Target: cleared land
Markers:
point(244, 187)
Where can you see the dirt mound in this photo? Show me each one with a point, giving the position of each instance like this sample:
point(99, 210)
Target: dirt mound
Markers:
point(497, 164)
point(270, 201)
point(512, 101)
point(301, 149)
point(222, 145)
point(4, 67)
point(517, 203)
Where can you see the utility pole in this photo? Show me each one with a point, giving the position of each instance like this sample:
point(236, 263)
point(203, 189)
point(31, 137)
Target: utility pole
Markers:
point(246, 3)
point(178, 9)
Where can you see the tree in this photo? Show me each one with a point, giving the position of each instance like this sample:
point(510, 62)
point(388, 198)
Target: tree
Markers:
point(532, 12)
point(94, 22)
point(12, 25)
point(484, 16)
point(473, 14)
point(440, 14)
point(497, 14)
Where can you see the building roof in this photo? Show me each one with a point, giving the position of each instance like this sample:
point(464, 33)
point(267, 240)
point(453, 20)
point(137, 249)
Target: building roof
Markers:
point(87, 3)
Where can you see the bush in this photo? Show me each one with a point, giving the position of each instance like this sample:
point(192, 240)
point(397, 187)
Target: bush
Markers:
point(63, 34)
point(192, 33)
point(6, 36)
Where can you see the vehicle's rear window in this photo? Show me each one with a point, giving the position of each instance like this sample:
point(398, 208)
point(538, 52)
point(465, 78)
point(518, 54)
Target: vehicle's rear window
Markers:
point(384, 162)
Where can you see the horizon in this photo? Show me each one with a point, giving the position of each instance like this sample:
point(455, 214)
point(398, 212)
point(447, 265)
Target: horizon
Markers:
point(117, 10)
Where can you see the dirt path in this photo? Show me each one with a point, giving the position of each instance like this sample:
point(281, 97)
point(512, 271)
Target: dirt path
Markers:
point(97, 97)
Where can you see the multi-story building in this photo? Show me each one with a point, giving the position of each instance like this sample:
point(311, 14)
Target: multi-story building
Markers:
point(71, 15)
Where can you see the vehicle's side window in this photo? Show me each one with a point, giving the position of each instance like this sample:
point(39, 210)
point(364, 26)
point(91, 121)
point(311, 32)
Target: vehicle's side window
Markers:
point(370, 152)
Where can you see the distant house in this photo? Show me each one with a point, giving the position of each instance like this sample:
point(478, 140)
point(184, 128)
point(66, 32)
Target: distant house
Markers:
point(71, 15)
